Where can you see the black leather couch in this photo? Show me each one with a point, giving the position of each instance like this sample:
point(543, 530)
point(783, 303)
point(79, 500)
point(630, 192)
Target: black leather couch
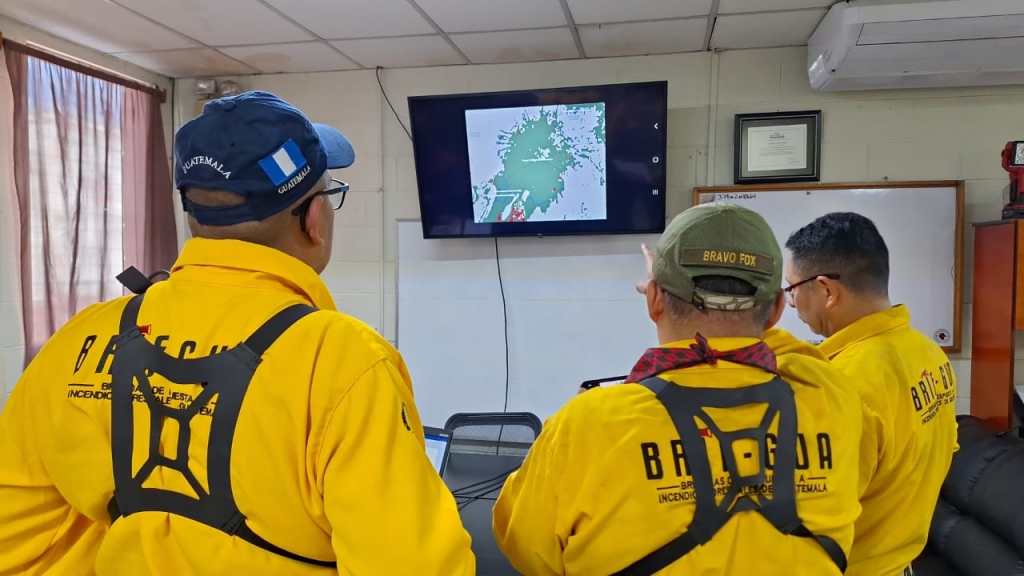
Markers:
point(978, 526)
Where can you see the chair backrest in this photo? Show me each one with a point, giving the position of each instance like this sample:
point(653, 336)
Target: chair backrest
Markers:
point(485, 448)
point(515, 431)
point(463, 419)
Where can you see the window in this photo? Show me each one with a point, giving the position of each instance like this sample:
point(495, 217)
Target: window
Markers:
point(74, 192)
point(92, 184)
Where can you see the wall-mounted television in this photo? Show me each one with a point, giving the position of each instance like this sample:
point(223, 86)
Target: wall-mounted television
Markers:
point(580, 160)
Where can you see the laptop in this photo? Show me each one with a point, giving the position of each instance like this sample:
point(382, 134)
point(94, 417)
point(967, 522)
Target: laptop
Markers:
point(439, 442)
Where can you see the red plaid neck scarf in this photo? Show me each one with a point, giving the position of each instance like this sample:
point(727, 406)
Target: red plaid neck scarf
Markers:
point(658, 360)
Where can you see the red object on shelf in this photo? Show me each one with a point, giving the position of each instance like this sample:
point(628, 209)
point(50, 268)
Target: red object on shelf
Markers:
point(1013, 162)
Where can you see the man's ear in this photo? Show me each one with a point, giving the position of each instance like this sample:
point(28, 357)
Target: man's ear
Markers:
point(655, 301)
point(778, 307)
point(833, 291)
point(315, 221)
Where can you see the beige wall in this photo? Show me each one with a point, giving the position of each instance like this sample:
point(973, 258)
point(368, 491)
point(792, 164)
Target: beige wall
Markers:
point(899, 135)
point(11, 341)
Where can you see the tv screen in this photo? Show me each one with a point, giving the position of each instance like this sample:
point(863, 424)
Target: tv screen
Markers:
point(582, 160)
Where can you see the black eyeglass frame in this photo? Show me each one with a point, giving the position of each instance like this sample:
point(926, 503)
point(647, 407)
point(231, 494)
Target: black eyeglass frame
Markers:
point(789, 289)
point(338, 187)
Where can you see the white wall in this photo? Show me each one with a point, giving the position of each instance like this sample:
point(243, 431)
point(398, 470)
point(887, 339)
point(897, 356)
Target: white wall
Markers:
point(898, 135)
point(11, 339)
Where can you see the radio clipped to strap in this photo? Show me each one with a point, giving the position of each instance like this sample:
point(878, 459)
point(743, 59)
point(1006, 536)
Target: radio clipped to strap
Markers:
point(137, 282)
point(685, 405)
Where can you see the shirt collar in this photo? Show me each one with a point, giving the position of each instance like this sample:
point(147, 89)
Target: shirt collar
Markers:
point(246, 256)
point(783, 343)
point(720, 344)
point(867, 327)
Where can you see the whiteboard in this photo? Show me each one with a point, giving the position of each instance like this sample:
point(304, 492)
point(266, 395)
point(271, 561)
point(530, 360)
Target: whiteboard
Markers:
point(920, 223)
point(573, 315)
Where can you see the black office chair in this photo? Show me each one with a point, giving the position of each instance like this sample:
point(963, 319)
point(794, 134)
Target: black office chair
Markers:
point(485, 449)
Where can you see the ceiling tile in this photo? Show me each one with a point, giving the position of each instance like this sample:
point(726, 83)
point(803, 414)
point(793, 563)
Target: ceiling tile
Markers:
point(480, 15)
point(597, 11)
point(637, 38)
point(518, 45)
point(221, 22)
point(733, 6)
point(400, 52)
point(295, 57)
point(355, 18)
point(94, 23)
point(765, 30)
point(192, 62)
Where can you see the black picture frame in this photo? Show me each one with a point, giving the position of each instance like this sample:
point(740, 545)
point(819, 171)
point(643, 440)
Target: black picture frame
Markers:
point(810, 172)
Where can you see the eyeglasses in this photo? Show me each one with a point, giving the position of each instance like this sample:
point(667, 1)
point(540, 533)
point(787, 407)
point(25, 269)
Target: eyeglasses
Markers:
point(789, 289)
point(335, 196)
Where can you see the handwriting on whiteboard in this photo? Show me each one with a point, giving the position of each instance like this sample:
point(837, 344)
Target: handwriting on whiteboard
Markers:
point(735, 196)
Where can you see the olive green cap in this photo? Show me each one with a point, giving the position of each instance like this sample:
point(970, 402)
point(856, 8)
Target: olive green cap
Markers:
point(719, 240)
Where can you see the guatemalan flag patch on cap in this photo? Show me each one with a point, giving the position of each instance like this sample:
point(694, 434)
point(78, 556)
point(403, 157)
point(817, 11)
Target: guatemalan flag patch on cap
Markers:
point(283, 163)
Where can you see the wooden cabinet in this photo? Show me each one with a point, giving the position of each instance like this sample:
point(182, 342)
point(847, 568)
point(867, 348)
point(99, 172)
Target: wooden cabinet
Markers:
point(997, 303)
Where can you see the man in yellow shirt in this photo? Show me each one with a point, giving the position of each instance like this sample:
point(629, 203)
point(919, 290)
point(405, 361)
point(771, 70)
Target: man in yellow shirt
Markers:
point(723, 454)
point(838, 275)
point(229, 420)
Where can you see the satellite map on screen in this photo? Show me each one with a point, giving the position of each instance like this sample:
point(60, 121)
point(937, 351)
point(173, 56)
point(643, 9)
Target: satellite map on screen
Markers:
point(538, 163)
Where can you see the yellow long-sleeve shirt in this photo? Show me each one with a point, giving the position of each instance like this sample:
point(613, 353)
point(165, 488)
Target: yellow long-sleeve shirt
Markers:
point(328, 457)
point(907, 380)
point(605, 483)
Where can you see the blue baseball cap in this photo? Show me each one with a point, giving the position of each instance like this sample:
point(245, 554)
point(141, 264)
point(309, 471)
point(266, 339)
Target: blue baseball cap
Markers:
point(258, 146)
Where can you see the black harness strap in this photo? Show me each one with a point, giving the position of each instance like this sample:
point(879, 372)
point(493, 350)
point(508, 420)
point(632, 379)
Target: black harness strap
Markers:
point(246, 533)
point(130, 315)
point(685, 405)
point(831, 547)
point(265, 335)
point(225, 376)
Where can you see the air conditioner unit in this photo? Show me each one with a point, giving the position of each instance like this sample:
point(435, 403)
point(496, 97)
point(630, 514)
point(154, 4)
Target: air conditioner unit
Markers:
point(879, 44)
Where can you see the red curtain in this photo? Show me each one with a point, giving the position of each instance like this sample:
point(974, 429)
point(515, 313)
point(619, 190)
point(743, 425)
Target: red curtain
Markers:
point(150, 241)
point(92, 187)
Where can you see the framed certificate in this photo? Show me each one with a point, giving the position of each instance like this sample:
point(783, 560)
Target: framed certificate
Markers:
point(778, 147)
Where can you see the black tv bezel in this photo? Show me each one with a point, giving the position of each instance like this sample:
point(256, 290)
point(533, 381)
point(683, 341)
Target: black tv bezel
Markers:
point(656, 228)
